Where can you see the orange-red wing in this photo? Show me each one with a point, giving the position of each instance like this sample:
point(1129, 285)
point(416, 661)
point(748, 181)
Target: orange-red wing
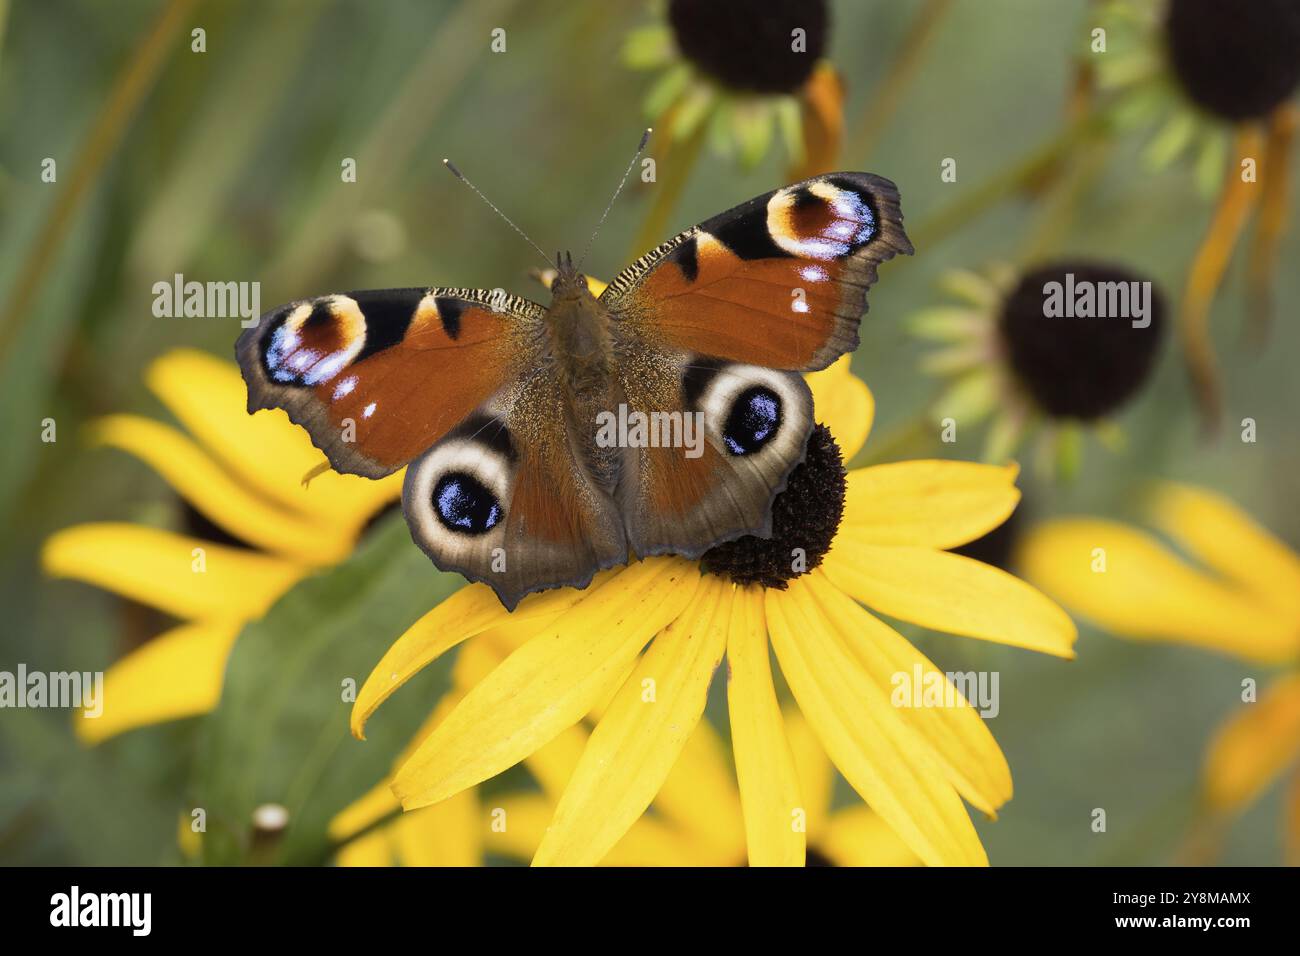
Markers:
point(378, 377)
point(779, 281)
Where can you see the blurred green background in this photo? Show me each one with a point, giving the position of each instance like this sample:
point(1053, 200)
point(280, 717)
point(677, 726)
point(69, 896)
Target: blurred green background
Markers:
point(229, 169)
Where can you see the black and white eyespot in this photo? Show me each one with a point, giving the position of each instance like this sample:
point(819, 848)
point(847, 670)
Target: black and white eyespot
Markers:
point(457, 495)
point(752, 411)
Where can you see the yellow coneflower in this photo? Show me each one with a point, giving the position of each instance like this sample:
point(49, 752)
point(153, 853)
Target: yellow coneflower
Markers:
point(877, 536)
point(1022, 370)
point(1242, 600)
point(243, 475)
point(1216, 80)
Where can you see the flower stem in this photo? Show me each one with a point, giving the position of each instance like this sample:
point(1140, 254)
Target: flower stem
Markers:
point(129, 89)
point(675, 164)
point(998, 187)
point(902, 69)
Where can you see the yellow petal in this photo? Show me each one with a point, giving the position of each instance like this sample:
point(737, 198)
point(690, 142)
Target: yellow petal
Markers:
point(856, 836)
point(948, 592)
point(931, 504)
point(514, 824)
point(188, 840)
point(523, 819)
point(1223, 537)
point(161, 569)
point(957, 736)
point(266, 452)
point(843, 403)
point(1252, 749)
point(373, 849)
point(469, 611)
point(865, 736)
point(218, 494)
point(549, 683)
point(367, 810)
point(816, 775)
point(446, 834)
point(1146, 592)
point(655, 842)
point(775, 818)
point(638, 739)
point(379, 801)
point(700, 798)
point(177, 674)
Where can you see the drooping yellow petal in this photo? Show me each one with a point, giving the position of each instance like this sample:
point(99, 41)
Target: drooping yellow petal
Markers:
point(548, 684)
point(373, 849)
point(865, 736)
point(1129, 584)
point(188, 840)
point(520, 822)
point(1223, 537)
point(177, 674)
point(652, 842)
point(930, 504)
point(958, 738)
point(856, 836)
point(218, 495)
point(378, 802)
point(843, 403)
point(449, 833)
point(265, 451)
point(188, 578)
point(700, 798)
point(514, 824)
point(469, 611)
point(638, 739)
point(1252, 749)
point(775, 818)
point(814, 769)
point(948, 592)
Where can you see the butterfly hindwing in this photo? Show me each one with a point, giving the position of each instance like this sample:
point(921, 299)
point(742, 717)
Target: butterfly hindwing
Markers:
point(743, 428)
point(377, 377)
point(780, 281)
point(508, 497)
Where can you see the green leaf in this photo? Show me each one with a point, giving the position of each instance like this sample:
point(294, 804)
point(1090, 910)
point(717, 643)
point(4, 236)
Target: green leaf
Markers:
point(280, 733)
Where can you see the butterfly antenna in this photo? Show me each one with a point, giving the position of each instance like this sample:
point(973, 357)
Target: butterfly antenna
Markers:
point(461, 176)
point(645, 138)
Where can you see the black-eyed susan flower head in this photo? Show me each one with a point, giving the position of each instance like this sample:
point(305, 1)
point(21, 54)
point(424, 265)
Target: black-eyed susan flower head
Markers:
point(1217, 81)
point(742, 73)
point(1054, 349)
point(1192, 70)
point(654, 632)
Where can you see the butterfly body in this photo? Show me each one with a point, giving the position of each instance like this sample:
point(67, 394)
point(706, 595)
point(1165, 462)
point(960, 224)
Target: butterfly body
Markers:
point(543, 444)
